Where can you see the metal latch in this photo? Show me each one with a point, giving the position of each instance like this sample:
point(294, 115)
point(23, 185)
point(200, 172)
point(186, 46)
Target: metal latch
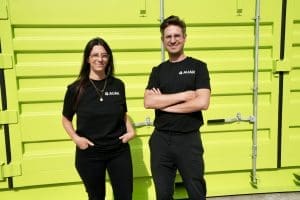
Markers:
point(281, 65)
point(8, 117)
point(238, 118)
point(147, 122)
point(6, 61)
point(9, 170)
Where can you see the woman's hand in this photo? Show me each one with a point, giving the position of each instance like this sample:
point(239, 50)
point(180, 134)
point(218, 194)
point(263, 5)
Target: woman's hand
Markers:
point(130, 130)
point(83, 143)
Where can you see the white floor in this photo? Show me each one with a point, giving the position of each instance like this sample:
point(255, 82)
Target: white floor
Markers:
point(273, 196)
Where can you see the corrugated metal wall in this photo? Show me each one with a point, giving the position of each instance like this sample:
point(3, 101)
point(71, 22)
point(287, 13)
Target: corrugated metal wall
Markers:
point(41, 51)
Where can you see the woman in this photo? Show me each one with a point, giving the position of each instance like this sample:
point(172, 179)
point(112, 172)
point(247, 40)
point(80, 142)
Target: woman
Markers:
point(103, 127)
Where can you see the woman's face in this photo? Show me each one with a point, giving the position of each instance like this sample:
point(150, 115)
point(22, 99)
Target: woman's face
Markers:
point(98, 59)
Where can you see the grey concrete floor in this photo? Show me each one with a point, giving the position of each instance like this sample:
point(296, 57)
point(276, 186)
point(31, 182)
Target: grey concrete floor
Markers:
point(272, 196)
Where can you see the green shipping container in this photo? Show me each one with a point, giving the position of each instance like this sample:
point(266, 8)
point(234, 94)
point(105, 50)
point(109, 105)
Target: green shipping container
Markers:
point(41, 44)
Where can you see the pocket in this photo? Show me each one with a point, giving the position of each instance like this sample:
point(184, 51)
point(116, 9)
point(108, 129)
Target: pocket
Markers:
point(196, 142)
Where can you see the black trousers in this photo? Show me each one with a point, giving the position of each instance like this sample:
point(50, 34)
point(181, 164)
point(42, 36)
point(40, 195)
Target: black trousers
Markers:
point(171, 151)
point(92, 165)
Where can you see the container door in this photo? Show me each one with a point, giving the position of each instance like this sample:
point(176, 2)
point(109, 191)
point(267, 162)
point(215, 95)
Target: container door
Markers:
point(291, 89)
point(48, 41)
point(223, 36)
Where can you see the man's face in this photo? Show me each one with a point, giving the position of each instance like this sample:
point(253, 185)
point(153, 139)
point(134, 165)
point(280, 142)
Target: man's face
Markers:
point(173, 40)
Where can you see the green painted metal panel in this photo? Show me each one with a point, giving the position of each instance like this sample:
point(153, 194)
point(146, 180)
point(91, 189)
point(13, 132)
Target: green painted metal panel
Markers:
point(91, 12)
point(9, 115)
point(291, 98)
point(3, 180)
point(3, 10)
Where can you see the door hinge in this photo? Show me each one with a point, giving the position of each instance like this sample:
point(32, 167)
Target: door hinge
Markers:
point(10, 170)
point(143, 8)
point(6, 61)
point(8, 117)
point(3, 10)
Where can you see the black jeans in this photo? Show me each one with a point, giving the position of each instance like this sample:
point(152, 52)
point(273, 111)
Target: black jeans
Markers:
point(92, 165)
point(183, 151)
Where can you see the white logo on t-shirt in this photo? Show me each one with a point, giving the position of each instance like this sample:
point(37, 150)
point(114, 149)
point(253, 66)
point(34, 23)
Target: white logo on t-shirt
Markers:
point(112, 93)
point(184, 72)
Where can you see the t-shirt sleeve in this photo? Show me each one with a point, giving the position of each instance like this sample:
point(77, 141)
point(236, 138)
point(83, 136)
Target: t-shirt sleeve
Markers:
point(69, 102)
point(202, 77)
point(153, 81)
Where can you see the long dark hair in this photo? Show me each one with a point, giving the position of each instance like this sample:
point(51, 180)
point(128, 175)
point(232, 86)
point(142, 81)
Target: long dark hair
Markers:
point(83, 77)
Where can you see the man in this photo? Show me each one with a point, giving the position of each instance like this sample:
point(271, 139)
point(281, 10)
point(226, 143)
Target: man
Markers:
point(178, 89)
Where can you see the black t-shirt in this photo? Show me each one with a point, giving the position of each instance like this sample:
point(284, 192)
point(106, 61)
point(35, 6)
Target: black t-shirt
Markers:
point(101, 122)
point(189, 74)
